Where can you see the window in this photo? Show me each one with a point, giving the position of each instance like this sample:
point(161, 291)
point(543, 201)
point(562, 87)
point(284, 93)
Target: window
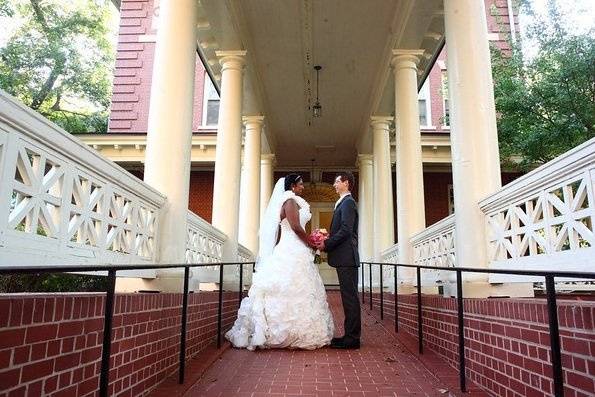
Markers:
point(423, 115)
point(451, 200)
point(210, 115)
point(446, 117)
point(423, 101)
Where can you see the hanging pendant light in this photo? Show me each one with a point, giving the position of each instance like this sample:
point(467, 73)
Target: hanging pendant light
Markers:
point(317, 108)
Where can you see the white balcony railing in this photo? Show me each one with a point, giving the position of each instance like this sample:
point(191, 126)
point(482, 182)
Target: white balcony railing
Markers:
point(203, 241)
point(62, 202)
point(544, 219)
point(244, 254)
point(435, 246)
point(390, 255)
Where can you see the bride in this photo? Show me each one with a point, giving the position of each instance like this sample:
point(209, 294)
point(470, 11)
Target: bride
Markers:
point(286, 305)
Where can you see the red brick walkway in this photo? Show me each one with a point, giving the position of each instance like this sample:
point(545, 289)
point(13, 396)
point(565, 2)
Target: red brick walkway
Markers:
point(382, 367)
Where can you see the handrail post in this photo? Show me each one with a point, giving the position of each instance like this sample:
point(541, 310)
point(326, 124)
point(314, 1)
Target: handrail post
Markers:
point(420, 334)
point(241, 290)
point(107, 333)
point(371, 296)
point(220, 306)
point(396, 302)
point(552, 309)
point(183, 331)
point(363, 283)
point(462, 380)
point(381, 295)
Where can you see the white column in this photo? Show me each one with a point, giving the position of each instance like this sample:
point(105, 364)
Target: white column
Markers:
point(365, 163)
point(250, 184)
point(473, 134)
point(267, 165)
point(169, 133)
point(411, 217)
point(365, 206)
point(384, 235)
point(226, 188)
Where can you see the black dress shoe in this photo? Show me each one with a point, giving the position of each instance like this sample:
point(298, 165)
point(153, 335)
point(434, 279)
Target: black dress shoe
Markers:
point(346, 344)
point(334, 341)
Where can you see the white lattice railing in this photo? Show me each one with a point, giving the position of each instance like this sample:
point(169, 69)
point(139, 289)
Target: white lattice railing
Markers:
point(62, 202)
point(544, 220)
point(203, 241)
point(244, 254)
point(389, 255)
point(435, 246)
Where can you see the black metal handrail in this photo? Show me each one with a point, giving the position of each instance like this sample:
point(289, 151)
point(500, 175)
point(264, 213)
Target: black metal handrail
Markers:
point(556, 356)
point(109, 302)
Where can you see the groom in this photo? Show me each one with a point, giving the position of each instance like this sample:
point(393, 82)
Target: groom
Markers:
point(343, 256)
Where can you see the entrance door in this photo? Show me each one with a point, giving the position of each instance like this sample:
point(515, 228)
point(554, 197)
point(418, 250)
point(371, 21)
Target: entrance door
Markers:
point(322, 215)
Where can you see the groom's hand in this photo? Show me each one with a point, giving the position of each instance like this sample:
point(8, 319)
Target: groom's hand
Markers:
point(321, 246)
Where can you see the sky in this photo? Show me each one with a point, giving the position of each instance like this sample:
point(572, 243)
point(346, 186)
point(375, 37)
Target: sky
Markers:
point(578, 14)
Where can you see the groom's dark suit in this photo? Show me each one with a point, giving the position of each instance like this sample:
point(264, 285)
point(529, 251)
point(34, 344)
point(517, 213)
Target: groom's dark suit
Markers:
point(343, 255)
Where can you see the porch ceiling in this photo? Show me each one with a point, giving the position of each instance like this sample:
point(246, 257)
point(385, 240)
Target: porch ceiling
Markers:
point(351, 39)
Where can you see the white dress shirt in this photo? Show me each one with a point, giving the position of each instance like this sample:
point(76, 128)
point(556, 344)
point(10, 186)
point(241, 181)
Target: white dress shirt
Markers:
point(341, 198)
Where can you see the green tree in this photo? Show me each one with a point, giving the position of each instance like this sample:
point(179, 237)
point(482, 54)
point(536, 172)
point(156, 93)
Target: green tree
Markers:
point(59, 60)
point(545, 104)
point(52, 283)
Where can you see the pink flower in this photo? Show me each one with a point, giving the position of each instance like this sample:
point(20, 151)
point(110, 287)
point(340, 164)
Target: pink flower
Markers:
point(318, 236)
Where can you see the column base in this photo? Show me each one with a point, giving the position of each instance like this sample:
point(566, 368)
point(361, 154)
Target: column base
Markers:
point(128, 285)
point(166, 281)
point(487, 290)
point(407, 289)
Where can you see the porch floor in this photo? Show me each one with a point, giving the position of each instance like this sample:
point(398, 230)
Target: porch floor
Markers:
point(384, 366)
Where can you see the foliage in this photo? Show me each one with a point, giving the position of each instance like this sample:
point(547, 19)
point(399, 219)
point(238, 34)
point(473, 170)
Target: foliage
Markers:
point(59, 59)
point(546, 104)
point(52, 283)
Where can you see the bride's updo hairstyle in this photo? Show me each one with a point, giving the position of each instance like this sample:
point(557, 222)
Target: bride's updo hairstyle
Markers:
point(291, 180)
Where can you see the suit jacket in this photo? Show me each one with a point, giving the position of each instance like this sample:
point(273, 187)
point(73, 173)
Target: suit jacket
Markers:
point(342, 243)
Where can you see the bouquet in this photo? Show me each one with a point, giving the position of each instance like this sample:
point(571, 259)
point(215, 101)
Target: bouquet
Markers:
point(316, 237)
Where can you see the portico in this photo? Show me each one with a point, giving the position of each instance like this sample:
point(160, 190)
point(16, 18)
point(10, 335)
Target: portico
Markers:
point(374, 57)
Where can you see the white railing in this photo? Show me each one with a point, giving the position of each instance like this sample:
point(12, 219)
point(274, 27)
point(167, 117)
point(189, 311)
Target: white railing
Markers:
point(244, 254)
point(62, 202)
point(389, 255)
point(203, 241)
point(544, 219)
point(435, 246)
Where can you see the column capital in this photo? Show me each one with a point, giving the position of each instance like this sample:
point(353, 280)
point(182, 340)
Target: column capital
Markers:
point(268, 158)
point(253, 121)
point(364, 159)
point(381, 122)
point(234, 60)
point(406, 59)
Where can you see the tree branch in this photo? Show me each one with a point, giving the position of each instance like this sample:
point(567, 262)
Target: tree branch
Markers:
point(59, 61)
point(39, 16)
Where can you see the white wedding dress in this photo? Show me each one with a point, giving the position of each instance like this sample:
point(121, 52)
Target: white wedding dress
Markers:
point(286, 305)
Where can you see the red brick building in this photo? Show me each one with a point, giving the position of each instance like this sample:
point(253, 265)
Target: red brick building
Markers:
point(131, 94)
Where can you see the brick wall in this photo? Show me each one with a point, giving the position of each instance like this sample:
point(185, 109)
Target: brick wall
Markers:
point(50, 344)
point(201, 194)
point(134, 69)
point(507, 341)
